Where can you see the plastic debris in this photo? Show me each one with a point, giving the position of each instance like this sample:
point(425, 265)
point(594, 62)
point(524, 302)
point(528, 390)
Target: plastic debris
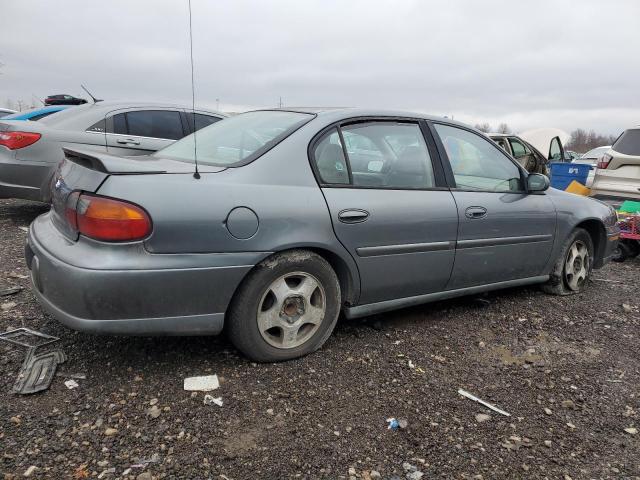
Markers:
point(411, 364)
point(71, 384)
point(464, 393)
point(201, 384)
point(395, 423)
point(25, 337)
point(37, 371)
point(208, 400)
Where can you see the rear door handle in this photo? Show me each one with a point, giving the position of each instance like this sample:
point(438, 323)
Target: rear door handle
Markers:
point(353, 215)
point(128, 141)
point(475, 212)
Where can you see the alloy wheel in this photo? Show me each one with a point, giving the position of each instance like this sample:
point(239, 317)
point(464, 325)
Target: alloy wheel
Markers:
point(577, 263)
point(291, 310)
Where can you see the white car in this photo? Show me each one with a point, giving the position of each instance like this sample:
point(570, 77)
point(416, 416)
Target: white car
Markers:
point(592, 157)
point(6, 111)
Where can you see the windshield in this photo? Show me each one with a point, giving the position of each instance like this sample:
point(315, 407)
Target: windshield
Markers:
point(236, 140)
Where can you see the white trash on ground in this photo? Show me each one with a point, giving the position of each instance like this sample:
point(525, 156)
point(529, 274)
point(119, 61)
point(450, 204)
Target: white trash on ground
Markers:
point(205, 383)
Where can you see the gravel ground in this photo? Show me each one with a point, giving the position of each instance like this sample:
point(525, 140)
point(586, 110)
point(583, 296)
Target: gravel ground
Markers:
point(566, 368)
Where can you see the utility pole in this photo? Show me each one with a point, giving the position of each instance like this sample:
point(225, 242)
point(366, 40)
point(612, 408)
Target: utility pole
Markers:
point(280, 103)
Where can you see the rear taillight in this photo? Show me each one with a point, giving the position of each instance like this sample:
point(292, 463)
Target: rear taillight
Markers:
point(107, 219)
point(16, 140)
point(604, 161)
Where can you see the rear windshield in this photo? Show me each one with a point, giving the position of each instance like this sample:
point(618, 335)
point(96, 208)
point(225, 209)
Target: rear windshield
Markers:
point(628, 143)
point(237, 140)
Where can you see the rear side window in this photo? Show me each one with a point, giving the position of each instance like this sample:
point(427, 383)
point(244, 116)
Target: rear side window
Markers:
point(518, 148)
point(120, 124)
point(380, 155)
point(628, 143)
point(155, 124)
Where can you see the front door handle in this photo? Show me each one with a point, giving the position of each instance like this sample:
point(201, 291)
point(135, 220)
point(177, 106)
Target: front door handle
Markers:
point(128, 141)
point(475, 212)
point(353, 215)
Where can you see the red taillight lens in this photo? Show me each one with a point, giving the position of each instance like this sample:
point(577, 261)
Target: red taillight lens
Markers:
point(107, 219)
point(604, 161)
point(16, 140)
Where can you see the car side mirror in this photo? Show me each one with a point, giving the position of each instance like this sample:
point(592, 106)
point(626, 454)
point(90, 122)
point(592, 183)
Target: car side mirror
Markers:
point(536, 182)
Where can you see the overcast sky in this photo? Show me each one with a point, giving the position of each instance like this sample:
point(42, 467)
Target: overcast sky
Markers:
point(564, 64)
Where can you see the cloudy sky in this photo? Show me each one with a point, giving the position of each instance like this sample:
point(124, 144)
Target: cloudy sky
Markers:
point(559, 63)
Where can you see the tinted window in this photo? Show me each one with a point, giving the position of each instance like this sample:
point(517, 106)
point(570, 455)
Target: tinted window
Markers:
point(478, 164)
point(388, 155)
point(155, 124)
point(201, 120)
point(120, 124)
point(238, 139)
point(330, 162)
point(628, 143)
point(97, 127)
point(35, 118)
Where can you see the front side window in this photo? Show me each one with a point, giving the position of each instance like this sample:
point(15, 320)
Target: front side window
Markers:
point(478, 164)
point(518, 148)
point(380, 155)
point(237, 140)
point(555, 153)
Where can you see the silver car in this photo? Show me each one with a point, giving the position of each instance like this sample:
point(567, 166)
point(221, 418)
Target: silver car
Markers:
point(30, 151)
point(271, 223)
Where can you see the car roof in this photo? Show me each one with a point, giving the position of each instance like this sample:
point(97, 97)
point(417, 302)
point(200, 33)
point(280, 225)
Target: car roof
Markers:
point(83, 116)
point(332, 114)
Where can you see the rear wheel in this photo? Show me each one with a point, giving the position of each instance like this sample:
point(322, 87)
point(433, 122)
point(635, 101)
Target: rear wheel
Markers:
point(286, 308)
point(573, 266)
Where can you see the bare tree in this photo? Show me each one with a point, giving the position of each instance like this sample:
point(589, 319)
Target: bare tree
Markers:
point(483, 127)
point(504, 128)
point(582, 141)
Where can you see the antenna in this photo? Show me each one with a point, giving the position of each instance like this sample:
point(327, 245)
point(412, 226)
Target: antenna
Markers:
point(95, 100)
point(196, 174)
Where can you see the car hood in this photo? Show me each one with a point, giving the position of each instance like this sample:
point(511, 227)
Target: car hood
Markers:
point(541, 138)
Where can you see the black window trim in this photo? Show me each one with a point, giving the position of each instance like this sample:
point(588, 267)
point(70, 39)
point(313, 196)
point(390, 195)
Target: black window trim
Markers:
point(447, 164)
point(436, 162)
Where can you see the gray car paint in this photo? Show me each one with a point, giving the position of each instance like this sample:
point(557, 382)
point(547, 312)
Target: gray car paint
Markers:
point(26, 172)
point(181, 279)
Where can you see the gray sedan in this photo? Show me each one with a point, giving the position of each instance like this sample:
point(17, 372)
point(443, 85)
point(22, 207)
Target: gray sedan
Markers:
point(30, 151)
point(271, 223)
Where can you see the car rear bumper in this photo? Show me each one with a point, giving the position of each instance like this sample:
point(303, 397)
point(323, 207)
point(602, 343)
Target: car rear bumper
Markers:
point(123, 289)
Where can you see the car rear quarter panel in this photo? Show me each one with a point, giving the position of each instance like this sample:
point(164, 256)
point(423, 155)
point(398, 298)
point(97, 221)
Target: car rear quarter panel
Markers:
point(190, 215)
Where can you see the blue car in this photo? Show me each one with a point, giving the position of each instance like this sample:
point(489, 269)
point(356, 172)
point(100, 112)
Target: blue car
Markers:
point(36, 113)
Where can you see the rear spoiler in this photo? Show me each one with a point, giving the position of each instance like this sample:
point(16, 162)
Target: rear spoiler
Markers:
point(111, 164)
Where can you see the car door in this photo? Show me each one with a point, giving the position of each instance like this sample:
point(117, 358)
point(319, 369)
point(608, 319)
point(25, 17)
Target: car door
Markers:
point(390, 208)
point(143, 131)
point(504, 233)
point(523, 155)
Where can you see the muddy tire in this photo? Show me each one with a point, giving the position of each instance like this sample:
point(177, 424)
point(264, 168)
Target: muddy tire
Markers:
point(572, 269)
point(286, 308)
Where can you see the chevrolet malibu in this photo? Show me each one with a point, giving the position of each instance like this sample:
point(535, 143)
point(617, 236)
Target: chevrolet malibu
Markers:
point(271, 223)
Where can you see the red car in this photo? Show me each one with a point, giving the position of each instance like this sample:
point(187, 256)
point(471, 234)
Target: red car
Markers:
point(63, 100)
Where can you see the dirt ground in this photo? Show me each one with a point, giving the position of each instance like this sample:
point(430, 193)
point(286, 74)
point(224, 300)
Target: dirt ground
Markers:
point(567, 369)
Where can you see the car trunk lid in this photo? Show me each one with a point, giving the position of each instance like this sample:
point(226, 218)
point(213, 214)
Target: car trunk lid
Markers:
point(82, 171)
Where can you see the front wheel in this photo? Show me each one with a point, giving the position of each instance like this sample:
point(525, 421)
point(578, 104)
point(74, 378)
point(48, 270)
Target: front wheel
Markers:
point(287, 307)
point(573, 266)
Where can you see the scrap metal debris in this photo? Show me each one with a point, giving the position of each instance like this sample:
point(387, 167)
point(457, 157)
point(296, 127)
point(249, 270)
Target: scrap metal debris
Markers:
point(10, 291)
point(38, 369)
point(204, 383)
point(464, 393)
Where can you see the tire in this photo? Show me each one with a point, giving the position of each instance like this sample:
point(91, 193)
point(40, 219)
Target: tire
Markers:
point(285, 308)
point(570, 277)
point(623, 251)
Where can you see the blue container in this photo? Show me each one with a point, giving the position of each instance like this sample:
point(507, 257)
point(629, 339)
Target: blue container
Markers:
point(562, 174)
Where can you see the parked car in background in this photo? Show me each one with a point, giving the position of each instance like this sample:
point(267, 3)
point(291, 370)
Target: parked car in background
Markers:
point(570, 155)
point(6, 111)
point(30, 151)
point(282, 230)
point(591, 158)
point(532, 160)
point(63, 100)
point(36, 114)
point(617, 177)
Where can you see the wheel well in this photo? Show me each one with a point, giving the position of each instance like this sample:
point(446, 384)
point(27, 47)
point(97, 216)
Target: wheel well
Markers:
point(598, 235)
point(342, 270)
